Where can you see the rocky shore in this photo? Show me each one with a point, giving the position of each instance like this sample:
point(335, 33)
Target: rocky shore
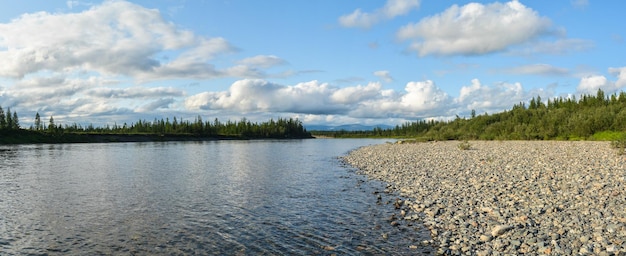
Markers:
point(508, 197)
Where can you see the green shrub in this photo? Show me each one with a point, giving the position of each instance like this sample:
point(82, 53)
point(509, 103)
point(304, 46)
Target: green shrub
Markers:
point(620, 145)
point(465, 145)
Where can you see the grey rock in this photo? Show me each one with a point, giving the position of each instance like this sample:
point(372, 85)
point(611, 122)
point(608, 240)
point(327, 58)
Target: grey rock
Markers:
point(485, 238)
point(500, 229)
point(563, 197)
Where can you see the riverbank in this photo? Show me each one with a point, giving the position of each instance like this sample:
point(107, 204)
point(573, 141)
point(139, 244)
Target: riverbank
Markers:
point(33, 137)
point(508, 197)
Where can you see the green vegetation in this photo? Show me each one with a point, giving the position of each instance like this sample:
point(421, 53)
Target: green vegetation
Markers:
point(465, 145)
point(592, 117)
point(176, 129)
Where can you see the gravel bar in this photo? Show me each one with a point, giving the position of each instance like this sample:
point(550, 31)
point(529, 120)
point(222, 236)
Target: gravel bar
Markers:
point(508, 197)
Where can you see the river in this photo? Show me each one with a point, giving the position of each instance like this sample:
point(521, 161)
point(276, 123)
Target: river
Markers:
point(259, 197)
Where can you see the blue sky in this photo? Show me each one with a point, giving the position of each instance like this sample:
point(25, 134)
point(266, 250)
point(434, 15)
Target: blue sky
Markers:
point(324, 62)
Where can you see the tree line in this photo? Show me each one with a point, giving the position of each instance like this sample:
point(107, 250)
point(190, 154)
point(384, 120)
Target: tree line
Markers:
point(8, 120)
point(588, 117)
point(280, 128)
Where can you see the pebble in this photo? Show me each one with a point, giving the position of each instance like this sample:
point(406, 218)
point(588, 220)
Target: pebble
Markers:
point(507, 197)
point(500, 229)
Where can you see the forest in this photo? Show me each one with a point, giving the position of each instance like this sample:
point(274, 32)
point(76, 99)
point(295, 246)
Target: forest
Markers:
point(590, 117)
point(159, 129)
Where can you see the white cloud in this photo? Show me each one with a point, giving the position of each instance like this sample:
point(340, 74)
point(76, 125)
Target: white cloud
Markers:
point(252, 95)
point(591, 83)
point(262, 61)
point(135, 92)
point(317, 101)
point(558, 47)
point(475, 29)
point(114, 38)
point(493, 98)
point(355, 94)
point(152, 106)
point(423, 95)
point(538, 69)
point(93, 96)
point(621, 76)
point(42, 91)
point(384, 75)
point(392, 9)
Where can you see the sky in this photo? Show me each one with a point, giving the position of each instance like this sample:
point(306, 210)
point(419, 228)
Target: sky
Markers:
point(324, 62)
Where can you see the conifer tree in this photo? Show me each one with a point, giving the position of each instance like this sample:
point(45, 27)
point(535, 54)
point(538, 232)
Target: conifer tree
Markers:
point(37, 122)
point(9, 119)
point(3, 121)
point(51, 125)
point(16, 122)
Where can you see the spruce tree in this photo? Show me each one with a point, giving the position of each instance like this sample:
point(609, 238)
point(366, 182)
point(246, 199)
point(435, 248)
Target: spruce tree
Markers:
point(37, 122)
point(16, 122)
point(51, 125)
point(9, 119)
point(3, 121)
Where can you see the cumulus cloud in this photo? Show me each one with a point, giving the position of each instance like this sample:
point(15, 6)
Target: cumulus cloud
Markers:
point(591, 83)
point(93, 96)
point(538, 69)
point(475, 29)
point(420, 99)
point(494, 98)
point(621, 76)
point(252, 95)
point(355, 94)
point(384, 75)
point(116, 38)
point(392, 9)
point(42, 91)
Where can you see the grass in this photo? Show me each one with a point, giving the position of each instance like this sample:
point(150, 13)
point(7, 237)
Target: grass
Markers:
point(608, 136)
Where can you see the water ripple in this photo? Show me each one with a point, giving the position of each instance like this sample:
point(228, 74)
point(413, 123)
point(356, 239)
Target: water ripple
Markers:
point(226, 198)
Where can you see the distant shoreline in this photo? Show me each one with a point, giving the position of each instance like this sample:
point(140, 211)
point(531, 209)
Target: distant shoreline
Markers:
point(30, 137)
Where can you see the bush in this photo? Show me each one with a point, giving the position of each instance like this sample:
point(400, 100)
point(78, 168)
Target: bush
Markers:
point(465, 145)
point(620, 145)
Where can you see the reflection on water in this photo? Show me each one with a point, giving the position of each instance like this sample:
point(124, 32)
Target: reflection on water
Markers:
point(180, 198)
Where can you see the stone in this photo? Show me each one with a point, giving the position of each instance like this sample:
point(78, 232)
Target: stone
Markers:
point(611, 248)
point(556, 195)
point(485, 238)
point(483, 253)
point(500, 230)
point(584, 239)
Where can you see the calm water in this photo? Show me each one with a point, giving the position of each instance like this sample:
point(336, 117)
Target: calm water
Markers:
point(193, 198)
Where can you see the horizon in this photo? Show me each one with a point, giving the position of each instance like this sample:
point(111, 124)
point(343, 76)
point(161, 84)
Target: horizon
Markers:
point(323, 63)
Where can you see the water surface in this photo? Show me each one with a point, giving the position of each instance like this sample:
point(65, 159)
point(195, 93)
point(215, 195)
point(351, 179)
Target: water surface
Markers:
point(185, 198)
